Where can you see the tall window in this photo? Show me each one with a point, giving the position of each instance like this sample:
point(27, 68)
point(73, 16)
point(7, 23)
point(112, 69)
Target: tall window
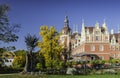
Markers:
point(97, 38)
point(101, 47)
point(92, 48)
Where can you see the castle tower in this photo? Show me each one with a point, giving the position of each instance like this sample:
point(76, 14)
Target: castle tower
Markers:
point(65, 37)
point(66, 33)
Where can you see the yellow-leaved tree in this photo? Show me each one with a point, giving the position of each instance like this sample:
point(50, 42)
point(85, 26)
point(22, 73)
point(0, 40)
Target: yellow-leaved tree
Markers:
point(49, 46)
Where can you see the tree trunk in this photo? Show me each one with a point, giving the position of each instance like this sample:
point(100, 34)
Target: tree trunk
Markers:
point(26, 69)
point(31, 63)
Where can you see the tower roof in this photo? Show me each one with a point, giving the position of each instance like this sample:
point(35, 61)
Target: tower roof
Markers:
point(66, 22)
point(66, 29)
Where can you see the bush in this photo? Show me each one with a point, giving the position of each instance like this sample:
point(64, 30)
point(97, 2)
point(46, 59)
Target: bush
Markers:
point(39, 66)
point(10, 70)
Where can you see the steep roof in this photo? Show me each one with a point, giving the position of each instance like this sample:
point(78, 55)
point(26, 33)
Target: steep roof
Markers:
point(117, 35)
point(74, 34)
point(90, 29)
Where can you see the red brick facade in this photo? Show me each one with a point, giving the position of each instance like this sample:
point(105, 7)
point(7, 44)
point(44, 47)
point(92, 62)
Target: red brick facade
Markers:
point(92, 40)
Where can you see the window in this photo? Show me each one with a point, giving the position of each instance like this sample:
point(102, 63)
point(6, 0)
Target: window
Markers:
point(10, 60)
point(6, 60)
point(102, 57)
point(97, 32)
point(92, 48)
point(96, 38)
point(101, 48)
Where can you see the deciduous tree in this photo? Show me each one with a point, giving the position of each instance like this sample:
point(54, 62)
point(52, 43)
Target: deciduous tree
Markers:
point(49, 45)
point(19, 60)
point(7, 32)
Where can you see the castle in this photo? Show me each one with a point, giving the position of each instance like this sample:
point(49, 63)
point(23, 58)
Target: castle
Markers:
point(92, 43)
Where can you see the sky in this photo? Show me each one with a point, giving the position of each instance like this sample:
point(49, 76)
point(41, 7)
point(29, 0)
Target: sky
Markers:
point(31, 14)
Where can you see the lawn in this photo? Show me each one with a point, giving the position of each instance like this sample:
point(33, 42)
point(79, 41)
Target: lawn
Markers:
point(60, 76)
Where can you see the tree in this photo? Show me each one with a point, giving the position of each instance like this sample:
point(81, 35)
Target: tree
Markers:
point(49, 46)
point(39, 60)
point(7, 32)
point(31, 43)
point(19, 60)
point(10, 48)
point(1, 52)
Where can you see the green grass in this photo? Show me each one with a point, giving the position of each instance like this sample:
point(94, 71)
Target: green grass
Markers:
point(84, 76)
point(59, 76)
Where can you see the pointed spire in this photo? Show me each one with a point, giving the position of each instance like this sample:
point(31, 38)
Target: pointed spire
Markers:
point(97, 25)
point(66, 21)
point(104, 24)
point(76, 28)
point(83, 23)
point(118, 28)
point(83, 32)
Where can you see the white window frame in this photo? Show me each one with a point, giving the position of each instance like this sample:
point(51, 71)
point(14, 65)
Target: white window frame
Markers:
point(92, 47)
point(101, 48)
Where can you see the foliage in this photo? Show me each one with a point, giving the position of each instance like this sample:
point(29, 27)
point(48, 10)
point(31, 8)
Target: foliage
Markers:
point(49, 45)
point(19, 60)
point(10, 48)
point(39, 66)
point(1, 51)
point(40, 59)
point(31, 43)
point(7, 32)
point(20, 53)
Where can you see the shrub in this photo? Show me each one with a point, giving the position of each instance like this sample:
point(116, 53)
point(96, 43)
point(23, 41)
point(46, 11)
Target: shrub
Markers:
point(39, 66)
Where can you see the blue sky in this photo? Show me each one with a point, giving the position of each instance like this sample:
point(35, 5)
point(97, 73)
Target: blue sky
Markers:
point(31, 14)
